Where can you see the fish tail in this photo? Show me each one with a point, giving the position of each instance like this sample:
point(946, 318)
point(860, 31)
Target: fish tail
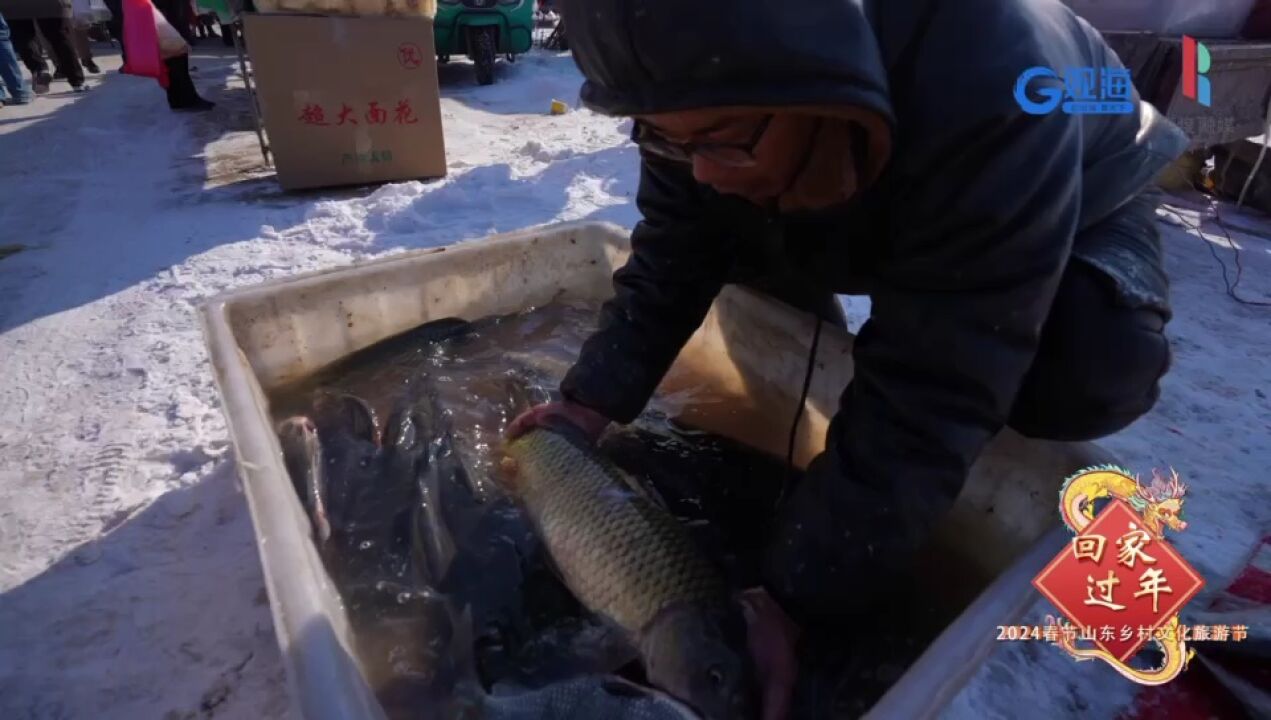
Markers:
point(438, 544)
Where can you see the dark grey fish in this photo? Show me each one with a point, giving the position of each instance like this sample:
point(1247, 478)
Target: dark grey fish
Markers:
point(330, 455)
point(349, 434)
point(412, 442)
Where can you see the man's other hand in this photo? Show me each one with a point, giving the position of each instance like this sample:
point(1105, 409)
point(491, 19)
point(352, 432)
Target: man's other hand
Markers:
point(590, 422)
point(772, 637)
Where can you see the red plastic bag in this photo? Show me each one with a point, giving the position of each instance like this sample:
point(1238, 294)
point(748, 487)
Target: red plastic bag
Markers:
point(141, 42)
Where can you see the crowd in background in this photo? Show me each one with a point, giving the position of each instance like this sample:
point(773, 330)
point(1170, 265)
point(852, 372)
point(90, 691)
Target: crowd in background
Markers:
point(53, 39)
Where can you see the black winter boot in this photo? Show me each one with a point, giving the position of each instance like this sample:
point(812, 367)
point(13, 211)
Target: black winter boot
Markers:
point(182, 95)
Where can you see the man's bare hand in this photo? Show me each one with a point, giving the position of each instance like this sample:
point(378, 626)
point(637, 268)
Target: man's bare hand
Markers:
point(589, 421)
point(772, 637)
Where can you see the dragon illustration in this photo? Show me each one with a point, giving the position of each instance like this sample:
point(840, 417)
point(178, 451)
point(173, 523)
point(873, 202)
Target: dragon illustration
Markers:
point(1160, 505)
point(1168, 637)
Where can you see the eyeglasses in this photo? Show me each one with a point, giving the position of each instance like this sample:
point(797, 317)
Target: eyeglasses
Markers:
point(737, 155)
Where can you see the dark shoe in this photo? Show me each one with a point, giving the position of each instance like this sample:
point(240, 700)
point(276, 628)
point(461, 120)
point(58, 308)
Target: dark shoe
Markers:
point(196, 104)
point(40, 83)
point(91, 66)
point(59, 75)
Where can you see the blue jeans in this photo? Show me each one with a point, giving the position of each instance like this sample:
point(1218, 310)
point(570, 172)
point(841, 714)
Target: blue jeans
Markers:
point(10, 74)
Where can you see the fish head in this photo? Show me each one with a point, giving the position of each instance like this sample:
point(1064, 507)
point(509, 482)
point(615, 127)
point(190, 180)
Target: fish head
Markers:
point(351, 456)
point(697, 653)
point(302, 455)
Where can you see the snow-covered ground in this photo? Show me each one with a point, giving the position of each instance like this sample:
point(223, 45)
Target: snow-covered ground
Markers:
point(129, 584)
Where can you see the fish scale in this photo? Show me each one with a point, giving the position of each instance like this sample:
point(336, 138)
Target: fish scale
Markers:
point(621, 554)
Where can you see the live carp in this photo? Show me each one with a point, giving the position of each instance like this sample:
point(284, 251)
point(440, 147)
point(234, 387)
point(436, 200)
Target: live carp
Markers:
point(632, 562)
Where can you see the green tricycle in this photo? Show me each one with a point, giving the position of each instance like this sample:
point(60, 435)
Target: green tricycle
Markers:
point(483, 30)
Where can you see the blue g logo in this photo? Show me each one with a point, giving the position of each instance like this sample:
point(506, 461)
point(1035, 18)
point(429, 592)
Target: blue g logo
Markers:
point(1051, 95)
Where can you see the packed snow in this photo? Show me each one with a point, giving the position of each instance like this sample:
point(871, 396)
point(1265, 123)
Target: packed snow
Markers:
point(129, 582)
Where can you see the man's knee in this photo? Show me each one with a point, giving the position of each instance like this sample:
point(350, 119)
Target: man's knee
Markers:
point(1098, 367)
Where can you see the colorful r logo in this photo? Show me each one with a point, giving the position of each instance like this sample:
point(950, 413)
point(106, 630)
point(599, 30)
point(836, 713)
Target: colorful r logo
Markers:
point(1195, 65)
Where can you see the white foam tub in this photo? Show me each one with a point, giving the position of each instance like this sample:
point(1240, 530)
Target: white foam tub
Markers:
point(1001, 532)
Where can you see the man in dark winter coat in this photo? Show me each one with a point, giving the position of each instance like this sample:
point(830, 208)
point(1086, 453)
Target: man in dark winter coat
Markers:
point(876, 148)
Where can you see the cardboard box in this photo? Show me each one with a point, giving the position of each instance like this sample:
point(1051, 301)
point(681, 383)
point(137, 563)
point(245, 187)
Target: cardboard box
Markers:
point(347, 100)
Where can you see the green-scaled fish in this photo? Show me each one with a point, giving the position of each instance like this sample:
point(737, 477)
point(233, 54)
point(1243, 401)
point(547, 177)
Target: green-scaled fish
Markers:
point(628, 559)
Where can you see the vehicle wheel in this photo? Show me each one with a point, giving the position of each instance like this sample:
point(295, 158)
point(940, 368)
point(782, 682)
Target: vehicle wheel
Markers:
point(481, 45)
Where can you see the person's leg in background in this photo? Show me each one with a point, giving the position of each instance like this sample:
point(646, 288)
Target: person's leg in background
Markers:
point(57, 30)
point(1101, 358)
point(10, 73)
point(26, 43)
point(83, 46)
point(116, 25)
point(46, 52)
point(182, 95)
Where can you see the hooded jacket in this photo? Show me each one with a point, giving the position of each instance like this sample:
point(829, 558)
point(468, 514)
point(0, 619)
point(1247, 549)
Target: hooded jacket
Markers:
point(960, 242)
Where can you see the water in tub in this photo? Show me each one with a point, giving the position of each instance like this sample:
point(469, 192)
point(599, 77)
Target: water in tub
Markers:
point(394, 452)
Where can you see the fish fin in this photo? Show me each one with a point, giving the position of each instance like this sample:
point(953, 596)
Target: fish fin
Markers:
point(526, 386)
point(517, 389)
point(463, 641)
point(643, 488)
point(402, 431)
point(362, 418)
point(624, 442)
point(433, 532)
point(466, 697)
point(615, 648)
point(302, 456)
point(509, 474)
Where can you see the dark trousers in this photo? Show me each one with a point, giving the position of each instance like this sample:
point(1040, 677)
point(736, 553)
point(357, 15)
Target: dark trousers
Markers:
point(1072, 391)
point(116, 24)
point(58, 33)
point(181, 90)
point(83, 45)
point(1098, 367)
point(1102, 355)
